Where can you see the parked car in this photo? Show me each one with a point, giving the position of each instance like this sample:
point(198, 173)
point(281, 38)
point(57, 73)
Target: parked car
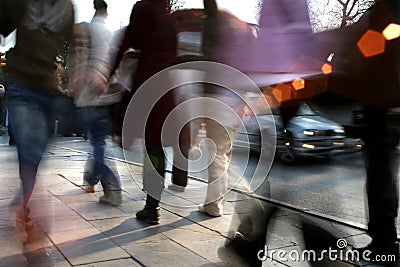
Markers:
point(306, 135)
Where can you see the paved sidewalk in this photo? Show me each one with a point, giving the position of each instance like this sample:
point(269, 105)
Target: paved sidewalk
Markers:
point(78, 231)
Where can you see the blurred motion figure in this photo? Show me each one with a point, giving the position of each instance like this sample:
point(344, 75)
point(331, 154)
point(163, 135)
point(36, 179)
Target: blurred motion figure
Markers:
point(32, 93)
point(152, 31)
point(89, 68)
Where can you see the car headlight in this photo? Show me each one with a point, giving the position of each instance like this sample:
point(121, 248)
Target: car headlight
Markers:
point(310, 132)
point(339, 130)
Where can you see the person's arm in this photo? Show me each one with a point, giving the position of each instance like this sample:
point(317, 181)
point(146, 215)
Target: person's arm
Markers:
point(130, 39)
point(68, 30)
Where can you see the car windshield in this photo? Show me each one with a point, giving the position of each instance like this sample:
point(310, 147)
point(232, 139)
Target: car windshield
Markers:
point(305, 109)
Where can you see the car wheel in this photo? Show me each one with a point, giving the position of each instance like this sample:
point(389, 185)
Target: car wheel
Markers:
point(287, 155)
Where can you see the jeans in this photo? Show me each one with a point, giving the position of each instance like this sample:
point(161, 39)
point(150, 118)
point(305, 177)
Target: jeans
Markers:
point(97, 120)
point(30, 110)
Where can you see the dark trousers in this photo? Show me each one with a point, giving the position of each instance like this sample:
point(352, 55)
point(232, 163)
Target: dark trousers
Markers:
point(180, 161)
point(381, 180)
point(154, 170)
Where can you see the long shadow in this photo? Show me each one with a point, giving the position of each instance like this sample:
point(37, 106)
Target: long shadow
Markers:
point(129, 231)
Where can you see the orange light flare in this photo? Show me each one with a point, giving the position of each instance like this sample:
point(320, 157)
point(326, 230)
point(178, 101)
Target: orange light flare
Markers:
point(326, 68)
point(298, 84)
point(258, 105)
point(372, 43)
point(392, 31)
point(282, 92)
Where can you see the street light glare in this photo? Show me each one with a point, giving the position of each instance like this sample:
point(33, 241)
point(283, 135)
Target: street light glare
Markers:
point(392, 31)
point(119, 11)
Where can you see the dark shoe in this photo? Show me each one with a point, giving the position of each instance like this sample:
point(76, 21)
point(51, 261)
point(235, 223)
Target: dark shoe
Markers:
point(317, 237)
point(113, 198)
point(42, 257)
point(149, 215)
point(241, 251)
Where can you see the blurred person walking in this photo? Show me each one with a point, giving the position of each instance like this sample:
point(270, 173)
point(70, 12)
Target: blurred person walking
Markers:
point(380, 164)
point(152, 31)
point(89, 68)
point(2, 110)
point(359, 81)
point(373, 81)
point(224, 36)
point(32, 93)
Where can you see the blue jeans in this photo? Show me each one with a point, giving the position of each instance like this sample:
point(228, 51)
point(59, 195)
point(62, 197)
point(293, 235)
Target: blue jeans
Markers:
point(97, 120)
point(30, 110)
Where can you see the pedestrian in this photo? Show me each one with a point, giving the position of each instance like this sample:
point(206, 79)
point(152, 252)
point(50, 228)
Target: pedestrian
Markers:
point(2, 109)
point(89, 67)
point(283, 36)
point(360, 82)
point(373, 81)
point(185, 53)
point(382, 183)
point(32, 88)
point(152, 31)
point(5, 113)
point(223, 38)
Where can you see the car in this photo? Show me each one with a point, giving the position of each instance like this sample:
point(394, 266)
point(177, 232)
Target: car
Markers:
point(306, 135)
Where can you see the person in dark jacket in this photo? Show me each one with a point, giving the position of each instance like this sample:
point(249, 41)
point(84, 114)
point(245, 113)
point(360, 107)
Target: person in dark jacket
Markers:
point(152, 31)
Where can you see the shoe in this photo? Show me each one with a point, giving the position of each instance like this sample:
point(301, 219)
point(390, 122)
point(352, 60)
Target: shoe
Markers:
point(43, 257)
point(23, 223)
point(318, 238)
point(149, 215)
point(211, 210)
point(176, 188)
point(88, 188)
point(113, 198)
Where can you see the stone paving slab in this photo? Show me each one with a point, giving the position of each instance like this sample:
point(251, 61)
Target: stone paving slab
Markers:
point(159, 250)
